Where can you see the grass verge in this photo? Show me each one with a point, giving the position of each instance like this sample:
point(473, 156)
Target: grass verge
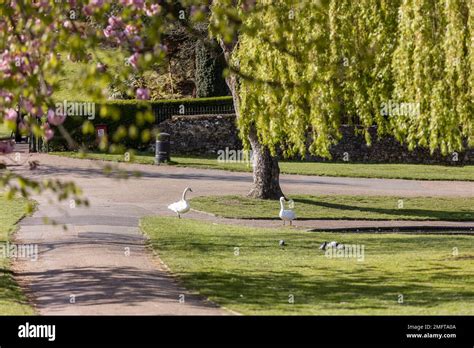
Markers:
point(342, 207)
point(244, 269)
point(12, 300)
point(355, 170)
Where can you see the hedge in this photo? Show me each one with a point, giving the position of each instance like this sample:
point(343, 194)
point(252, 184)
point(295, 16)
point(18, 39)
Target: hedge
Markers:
point(132, 123)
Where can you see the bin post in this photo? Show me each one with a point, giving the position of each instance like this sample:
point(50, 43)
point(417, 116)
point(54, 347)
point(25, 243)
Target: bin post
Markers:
point(162, 148)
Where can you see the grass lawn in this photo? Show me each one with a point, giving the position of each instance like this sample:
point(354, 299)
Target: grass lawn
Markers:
point(383, 171)
point(259, 277)
point(341, 207)
point(12, 301)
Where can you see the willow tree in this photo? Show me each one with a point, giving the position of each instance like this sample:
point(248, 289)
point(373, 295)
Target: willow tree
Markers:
point(433, 66)
point(301, 68)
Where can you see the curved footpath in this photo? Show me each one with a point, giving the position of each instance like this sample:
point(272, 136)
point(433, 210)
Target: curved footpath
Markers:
point(100, 264)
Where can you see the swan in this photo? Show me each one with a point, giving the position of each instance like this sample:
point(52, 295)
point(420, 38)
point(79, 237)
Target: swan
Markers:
point(286, 214)
point(182, 206)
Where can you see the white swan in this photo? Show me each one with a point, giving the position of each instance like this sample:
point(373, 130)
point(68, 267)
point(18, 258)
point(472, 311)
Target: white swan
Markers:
point(182, 206)
point(286, 214)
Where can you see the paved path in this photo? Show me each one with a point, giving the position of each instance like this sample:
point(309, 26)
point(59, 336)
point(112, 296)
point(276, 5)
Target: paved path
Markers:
point(88, 263)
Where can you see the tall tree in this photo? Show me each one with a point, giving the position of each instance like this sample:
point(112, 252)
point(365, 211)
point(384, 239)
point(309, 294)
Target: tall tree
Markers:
point(209, 68)
point(299, 68)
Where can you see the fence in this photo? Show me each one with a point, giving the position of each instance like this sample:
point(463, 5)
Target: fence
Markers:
point(164, 111)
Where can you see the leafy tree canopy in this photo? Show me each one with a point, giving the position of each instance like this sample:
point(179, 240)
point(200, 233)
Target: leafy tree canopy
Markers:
point(308, 66)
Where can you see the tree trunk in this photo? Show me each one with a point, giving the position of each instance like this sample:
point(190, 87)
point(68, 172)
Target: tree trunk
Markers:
point(266, 171)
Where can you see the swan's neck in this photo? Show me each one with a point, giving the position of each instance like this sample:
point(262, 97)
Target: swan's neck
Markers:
point(184, 194)
point(282, 206)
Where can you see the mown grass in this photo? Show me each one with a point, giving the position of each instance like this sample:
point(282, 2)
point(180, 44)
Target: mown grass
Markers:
point(342, 207)
point(12, 300)
point(356, 170)
point(245, 270)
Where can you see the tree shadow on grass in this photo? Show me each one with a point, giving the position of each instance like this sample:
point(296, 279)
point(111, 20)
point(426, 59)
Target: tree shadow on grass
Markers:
point(353, 290)
point(414, 213)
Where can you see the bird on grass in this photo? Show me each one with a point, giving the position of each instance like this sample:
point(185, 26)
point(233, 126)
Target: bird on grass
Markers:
point(332, 244)
point(286, 214)
point(182, 206)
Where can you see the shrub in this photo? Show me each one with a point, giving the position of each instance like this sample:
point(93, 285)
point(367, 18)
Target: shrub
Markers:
point(209, 71)
point(131, 124)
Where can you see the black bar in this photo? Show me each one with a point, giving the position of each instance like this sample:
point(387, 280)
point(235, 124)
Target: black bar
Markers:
point(332, 330)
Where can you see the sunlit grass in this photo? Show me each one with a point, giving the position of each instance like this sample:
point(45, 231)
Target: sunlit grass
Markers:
point(12, 301)
point(342, 207)
point(244, 269)
point(356, 170)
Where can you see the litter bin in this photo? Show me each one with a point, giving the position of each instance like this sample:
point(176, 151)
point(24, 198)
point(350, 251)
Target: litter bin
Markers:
point(162, 148)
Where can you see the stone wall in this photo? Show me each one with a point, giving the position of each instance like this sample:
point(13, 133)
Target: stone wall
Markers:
point(207, 134)
point(201, 134)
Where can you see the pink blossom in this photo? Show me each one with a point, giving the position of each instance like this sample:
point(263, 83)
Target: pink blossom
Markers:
point(135, 3)
point(108, 31)
point(37, 111)
point(115, 21)
point(7, 96)
point(48, 132)
point(88, 10)
point(11, 115)
point(143, 93)
point(133, 60)
point(55, 119)
point(130, 30)
point(28, 105)
point(153, 10)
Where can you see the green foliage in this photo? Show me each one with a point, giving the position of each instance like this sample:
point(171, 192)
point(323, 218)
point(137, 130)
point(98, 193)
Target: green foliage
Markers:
point(305, 67)
point(5, 131)
point(130, 123)
point(210, 65)
point(431, 66)
point(12, 300)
